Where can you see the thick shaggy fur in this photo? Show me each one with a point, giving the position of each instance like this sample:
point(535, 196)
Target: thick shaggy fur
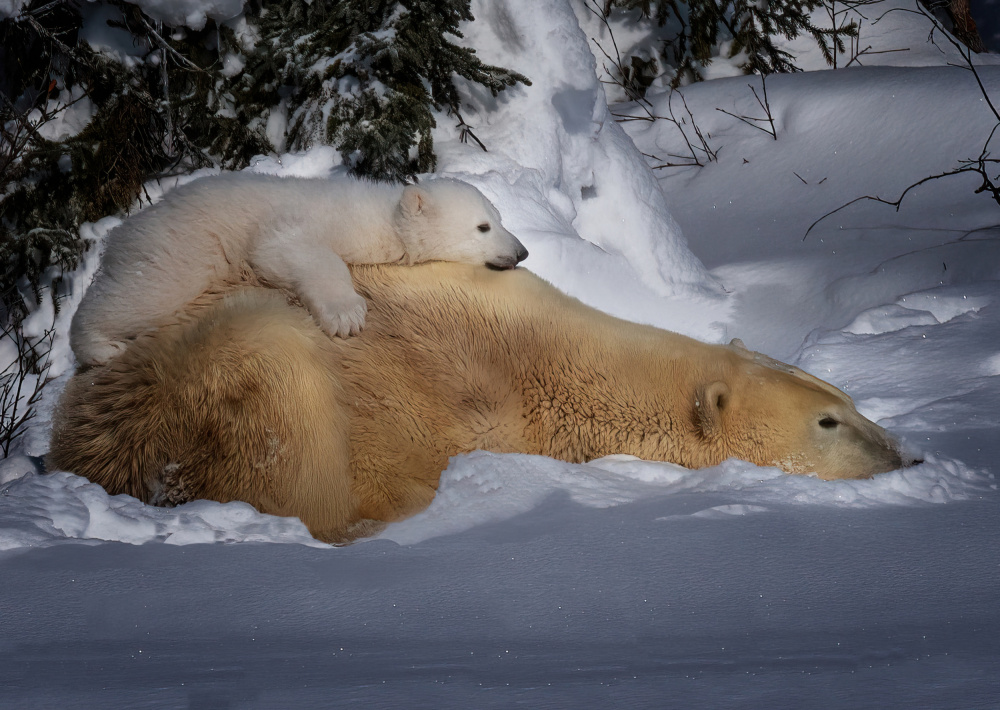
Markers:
point(247, 400)
point(294, 233)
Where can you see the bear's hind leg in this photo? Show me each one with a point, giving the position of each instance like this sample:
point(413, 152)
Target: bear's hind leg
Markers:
point(240, 402)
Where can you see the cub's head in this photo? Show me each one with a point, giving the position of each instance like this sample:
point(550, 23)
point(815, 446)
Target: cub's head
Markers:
point(773, 414)
point(449, 220)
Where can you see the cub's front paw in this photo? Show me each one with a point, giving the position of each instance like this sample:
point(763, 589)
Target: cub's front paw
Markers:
point(346, 320)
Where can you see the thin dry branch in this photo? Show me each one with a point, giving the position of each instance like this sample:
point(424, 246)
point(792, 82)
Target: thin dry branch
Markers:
point(22, 382)
point(165, 46)
point(765, 105)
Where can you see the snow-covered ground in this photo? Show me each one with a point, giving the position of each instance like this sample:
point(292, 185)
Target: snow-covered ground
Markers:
point(618, 583)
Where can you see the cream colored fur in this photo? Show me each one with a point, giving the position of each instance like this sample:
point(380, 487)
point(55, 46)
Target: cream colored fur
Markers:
point(247, 400)
point(294, 233)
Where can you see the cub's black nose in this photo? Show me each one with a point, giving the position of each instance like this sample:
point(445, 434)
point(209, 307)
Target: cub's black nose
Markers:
point(522, 254)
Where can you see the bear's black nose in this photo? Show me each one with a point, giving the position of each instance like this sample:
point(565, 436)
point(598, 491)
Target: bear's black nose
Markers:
point(522, 254)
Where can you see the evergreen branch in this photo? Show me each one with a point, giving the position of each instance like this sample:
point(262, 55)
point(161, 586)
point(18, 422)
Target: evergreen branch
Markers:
point(465, 132)
point(165, 46)
point(39, 10)
point(42, 31)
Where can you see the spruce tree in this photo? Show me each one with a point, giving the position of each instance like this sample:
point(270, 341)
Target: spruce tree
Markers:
point(365, 76)
point(361, 75)
point(696, 30)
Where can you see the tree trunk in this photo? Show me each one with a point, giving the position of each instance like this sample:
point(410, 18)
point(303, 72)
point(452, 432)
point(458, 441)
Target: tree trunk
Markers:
point(965, 27)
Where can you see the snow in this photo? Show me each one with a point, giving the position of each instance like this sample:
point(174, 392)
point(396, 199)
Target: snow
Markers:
point(10, 8)
point(40, 509)
point(190, 13)
point(478, 489)
point(68, 113)
point(559, 167)
point(618, 582)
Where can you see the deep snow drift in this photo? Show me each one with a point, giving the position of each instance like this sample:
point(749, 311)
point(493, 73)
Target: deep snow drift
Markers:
point(617, 582)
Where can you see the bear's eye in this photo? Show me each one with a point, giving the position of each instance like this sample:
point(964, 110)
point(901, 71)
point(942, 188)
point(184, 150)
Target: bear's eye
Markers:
point(484, 227)
point(828, 422)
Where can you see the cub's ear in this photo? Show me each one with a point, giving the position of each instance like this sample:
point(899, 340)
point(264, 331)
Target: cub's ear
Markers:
point(414, 201)
point(710, 401)
point(738, 344)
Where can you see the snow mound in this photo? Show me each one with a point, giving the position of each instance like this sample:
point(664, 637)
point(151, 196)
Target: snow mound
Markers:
point(483, 487)
point(564, 175)
point(819, 160)
point(321, 161)
point(931, 307)
point(44, 509)
point(886, 319)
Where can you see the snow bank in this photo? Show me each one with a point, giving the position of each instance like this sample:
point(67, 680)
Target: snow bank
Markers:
point(840, 135)
point(39, 510)
point(323, 161)
point(477, 489)
point(483, 488)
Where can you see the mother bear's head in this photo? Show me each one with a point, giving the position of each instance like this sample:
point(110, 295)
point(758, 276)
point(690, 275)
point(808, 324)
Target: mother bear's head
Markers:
point(772, 414)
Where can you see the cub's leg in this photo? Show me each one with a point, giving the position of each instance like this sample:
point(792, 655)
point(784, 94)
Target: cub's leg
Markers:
point(320, 279)
point(141, 285)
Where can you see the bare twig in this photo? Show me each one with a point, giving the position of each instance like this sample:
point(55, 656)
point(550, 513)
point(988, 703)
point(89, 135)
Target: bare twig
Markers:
point(625, 82)
point(698, 147)
point(764, 104)
point(37, 26)
point(162, 43)
point(868, 51)
point(22, 381)
point(465, 131)
point(897, 203)
point(976, 165)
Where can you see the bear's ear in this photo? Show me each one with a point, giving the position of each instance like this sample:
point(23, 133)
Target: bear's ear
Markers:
point(737, 344)
point(414, 201)
point(710, 401)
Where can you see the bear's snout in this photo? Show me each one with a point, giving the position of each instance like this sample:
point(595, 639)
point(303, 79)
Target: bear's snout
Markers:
point(508, 261)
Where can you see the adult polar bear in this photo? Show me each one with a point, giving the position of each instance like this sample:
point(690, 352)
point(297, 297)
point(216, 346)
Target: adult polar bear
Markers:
point(247, 400)
point(293, 233)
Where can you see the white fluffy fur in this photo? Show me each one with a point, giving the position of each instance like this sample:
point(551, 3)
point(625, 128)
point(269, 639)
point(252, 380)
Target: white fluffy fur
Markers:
point(294, 233)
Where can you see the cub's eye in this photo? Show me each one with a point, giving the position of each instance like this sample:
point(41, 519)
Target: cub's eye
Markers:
point(828, 422)
point(484, 227)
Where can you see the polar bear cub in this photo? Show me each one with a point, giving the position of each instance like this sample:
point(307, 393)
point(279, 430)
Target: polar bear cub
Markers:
point(294, 233)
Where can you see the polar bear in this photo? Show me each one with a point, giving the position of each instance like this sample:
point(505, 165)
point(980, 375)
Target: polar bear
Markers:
point(246, 399)
point(293, 233)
